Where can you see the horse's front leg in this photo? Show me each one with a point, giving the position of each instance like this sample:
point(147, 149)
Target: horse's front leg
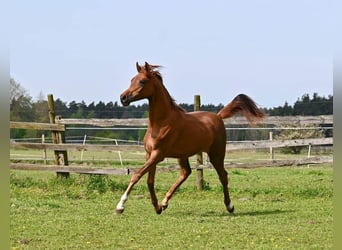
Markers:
point(149, 164)
point(150, 184)
point(184, 174)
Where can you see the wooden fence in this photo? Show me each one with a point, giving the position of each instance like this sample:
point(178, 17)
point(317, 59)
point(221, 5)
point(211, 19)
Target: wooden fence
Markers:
point(59, 146)
point(277, 121)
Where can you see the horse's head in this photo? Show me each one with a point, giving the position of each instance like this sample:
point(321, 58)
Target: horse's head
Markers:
point(142, 85)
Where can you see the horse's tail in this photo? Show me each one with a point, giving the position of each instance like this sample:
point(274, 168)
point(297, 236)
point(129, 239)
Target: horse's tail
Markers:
point(242, 104)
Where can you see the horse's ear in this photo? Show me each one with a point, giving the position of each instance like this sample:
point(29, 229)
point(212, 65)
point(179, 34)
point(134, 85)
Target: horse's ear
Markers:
point(147, 67)
point(138, 67)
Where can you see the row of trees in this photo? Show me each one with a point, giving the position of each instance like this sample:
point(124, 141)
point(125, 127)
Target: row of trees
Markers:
point(23, 108)
point(305, 105)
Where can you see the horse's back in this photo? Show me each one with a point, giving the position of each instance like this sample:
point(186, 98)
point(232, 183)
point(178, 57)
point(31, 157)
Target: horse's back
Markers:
point(209, 119)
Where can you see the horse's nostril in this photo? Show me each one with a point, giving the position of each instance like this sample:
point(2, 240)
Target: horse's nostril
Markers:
point(124, 99)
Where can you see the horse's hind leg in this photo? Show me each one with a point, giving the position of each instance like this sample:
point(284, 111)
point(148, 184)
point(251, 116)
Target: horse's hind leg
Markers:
point(185, 171)
point(218, 163)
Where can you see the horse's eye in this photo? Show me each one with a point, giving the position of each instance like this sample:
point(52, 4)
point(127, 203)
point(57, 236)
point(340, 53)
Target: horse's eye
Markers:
point(143, 82)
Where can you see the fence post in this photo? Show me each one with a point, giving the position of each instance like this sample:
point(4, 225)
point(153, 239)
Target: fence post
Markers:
point(44, 150)
point(119, 152)
point(309, 150)
point(199, 155)
point(61, 157)
point(84, 142)
point(271, 148)
point(309, 153)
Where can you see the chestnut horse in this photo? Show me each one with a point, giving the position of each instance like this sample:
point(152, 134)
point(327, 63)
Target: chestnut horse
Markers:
point(172, 132)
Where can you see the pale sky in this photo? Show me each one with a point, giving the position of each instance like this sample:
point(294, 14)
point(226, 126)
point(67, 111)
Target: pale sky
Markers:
point(273, 51)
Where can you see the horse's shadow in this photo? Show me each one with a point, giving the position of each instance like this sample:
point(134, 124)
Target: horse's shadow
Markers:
point(262, 212)
point(244, 213)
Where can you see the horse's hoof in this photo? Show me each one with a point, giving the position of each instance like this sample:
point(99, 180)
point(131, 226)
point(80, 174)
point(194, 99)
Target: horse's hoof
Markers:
point(159, 210)
point(164, 207)
point(231, 208)
point(119, 211)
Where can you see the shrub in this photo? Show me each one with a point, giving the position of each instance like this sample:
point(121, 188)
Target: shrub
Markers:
point(300, 133)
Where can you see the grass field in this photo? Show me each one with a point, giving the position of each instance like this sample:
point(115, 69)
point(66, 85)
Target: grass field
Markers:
point(275, 208)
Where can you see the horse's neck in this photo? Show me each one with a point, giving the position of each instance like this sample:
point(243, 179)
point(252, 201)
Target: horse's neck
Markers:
point(160, 109)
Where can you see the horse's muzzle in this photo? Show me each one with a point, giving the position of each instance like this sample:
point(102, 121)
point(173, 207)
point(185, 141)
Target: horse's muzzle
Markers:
point(125, 99)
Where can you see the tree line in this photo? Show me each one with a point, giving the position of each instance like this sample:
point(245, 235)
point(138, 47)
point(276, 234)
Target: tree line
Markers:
point(23, 108)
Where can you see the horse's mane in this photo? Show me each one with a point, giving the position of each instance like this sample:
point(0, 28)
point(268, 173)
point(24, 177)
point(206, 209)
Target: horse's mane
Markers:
point(155, 72)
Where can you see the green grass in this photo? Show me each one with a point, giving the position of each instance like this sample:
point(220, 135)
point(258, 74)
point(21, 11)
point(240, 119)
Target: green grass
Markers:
point(275, 208)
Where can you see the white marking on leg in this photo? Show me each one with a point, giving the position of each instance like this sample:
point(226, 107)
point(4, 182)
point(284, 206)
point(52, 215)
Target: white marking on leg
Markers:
point(122, 201)
point(164, 202)
point(231, 206)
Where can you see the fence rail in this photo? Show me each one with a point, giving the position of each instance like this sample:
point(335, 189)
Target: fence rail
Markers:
point(243, 145)
point(236, 120)
point(38, 126)
point(126, 171)
point(69, 169)
point(62, 124)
